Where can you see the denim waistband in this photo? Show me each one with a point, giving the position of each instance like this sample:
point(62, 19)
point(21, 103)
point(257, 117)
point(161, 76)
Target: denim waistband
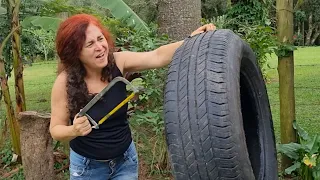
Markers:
point(122, 156)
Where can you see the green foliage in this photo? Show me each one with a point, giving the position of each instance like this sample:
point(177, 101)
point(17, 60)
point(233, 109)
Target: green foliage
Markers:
point(152, 118)
point(120, 10)
point(7, 54)
point(284, 50)
point(5, 27)
point(249, 12)
point(118, 28)
point(17, 176)
point(221, 22)
point(52, 8)
point(305, 155)
point(31, 8)
point(146, 9)
point(139, 41)
point(312, 7)
point(300, 16)
point(261, 39)
point(213, 8)
point(28, 7)
point(153, 80)
point(43, 42)
point(2, 10)
point(6, 156)
point(45, 23)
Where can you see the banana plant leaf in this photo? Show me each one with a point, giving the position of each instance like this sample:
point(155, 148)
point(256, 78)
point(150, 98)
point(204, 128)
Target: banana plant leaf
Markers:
point(46, 23)
point(120, 10)
point(3, 10)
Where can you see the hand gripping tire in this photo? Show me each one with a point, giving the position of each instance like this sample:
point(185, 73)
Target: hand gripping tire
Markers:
point(217, 117)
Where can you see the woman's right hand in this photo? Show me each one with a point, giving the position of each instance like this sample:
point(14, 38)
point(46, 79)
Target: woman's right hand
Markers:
point(81, 126)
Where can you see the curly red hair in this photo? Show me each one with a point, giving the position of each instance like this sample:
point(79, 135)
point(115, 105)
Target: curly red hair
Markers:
point(70, 40)
point(71, 37)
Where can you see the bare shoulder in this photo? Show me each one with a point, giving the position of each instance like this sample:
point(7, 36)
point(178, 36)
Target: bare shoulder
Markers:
point(59, 89)
point(60, 82)
point(59, 102)
point(119, 59)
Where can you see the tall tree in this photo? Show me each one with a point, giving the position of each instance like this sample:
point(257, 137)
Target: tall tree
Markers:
point(286, 75)
point(178, 18)
point(312, 10)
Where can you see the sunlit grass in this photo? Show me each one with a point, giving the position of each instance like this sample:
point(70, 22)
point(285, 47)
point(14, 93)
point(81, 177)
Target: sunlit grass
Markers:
point(307, 86)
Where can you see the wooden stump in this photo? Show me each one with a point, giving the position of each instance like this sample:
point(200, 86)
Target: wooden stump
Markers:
point(36, 146)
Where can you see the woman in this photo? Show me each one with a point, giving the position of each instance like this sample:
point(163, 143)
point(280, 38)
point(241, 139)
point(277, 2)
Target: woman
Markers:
point(87, 64)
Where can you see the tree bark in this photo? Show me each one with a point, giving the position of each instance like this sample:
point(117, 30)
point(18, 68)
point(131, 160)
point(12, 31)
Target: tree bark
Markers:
point(286, 76)
point(179, 18)
point(303, 34)
point(310, 30)
point(36, 146)
point(315, 36)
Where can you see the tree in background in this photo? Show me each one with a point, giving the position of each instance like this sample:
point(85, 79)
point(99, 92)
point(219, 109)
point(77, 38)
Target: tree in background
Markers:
point(312, 11)
point(146, 9)
point(179, 18)
point(214, 8)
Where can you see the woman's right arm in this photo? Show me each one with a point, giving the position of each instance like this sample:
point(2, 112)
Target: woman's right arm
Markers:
point(59, 125)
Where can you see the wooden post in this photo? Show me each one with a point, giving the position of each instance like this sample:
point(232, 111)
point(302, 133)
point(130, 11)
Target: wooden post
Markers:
point(286, 76)
point(36, 146)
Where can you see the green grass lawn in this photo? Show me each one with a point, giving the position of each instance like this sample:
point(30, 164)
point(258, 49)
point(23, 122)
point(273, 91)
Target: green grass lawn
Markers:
point(307, 89)
point(38, 81)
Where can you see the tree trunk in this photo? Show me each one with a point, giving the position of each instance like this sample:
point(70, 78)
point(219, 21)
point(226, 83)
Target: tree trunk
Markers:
point(315, 35)
point(286, 77)
point(303, 34)
point(309, 34)
point(13, 124)
point(179, 18)
point(299, 28)
point(36, 146)
point(17, 59)
point(299, 32)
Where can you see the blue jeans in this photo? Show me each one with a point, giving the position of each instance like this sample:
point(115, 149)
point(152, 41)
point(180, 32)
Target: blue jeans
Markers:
point(122, 168)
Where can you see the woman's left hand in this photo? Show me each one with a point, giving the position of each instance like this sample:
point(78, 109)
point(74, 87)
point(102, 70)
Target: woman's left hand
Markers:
point(204, 28)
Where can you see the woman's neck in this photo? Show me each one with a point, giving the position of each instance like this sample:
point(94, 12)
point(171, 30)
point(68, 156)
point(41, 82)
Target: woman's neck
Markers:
point(93, 74)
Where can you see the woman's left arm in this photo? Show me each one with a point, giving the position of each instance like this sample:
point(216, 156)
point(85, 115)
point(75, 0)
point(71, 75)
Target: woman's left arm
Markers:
point(160, 57)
